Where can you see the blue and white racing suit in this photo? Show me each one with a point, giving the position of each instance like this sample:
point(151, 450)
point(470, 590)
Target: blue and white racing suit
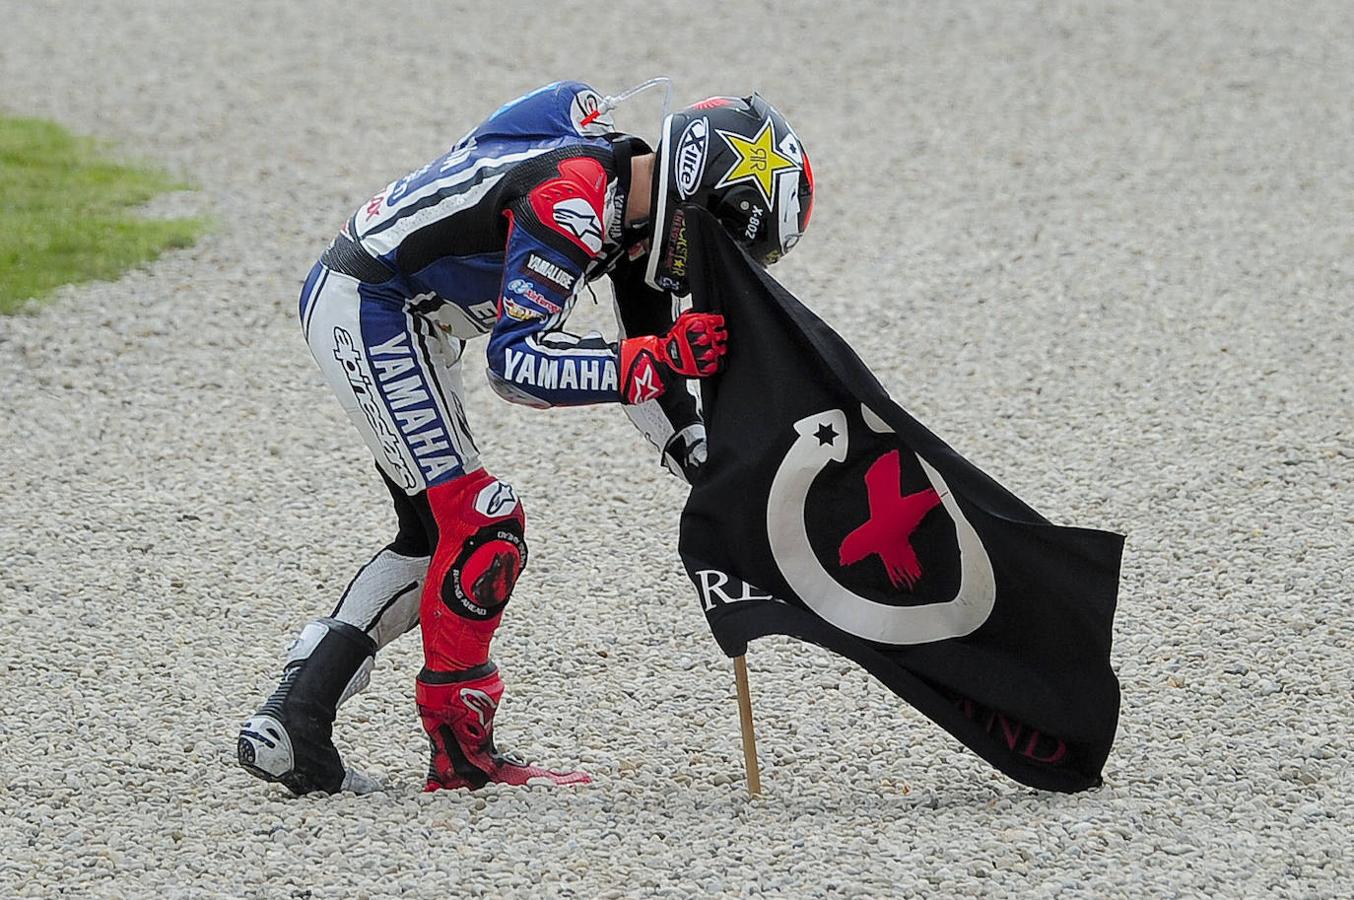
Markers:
point(494, 238)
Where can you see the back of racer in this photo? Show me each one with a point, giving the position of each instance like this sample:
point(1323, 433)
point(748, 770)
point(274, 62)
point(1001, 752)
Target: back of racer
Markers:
point(513, 219)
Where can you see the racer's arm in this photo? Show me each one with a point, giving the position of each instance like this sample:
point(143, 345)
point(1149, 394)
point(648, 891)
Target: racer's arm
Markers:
point(554, 231)
point(532, 360)
point(672, 422)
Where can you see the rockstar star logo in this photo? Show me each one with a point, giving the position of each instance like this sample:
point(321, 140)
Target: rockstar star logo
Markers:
point(758, 161)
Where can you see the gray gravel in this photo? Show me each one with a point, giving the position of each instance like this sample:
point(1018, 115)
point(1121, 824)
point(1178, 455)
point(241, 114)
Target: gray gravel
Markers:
point(1105, 249)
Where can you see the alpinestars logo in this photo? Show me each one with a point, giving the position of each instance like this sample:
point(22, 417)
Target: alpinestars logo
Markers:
point(495, 499)
point(479, 703)
point(578, 217)
point(643, 384)
point(406, 402)
point(347, 354)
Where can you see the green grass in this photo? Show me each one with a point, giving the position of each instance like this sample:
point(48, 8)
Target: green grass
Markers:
point(68, 213)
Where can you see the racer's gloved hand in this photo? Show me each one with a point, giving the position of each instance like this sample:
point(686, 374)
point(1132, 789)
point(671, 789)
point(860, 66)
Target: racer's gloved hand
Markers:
point(685, 452)
point(693, 348)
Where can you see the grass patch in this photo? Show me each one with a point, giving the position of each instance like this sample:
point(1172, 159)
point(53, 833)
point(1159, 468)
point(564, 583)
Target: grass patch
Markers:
point(68, 214)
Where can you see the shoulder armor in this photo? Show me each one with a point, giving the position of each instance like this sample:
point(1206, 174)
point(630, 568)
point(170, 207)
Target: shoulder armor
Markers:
point(574, 203)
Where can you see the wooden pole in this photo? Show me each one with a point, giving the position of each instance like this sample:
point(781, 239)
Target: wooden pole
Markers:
point(740, 672)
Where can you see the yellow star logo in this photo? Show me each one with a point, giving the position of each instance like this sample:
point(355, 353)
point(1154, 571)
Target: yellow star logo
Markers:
point(758, 161)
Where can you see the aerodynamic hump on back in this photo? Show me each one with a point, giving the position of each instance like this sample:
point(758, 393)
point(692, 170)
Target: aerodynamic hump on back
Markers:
point(560, 109)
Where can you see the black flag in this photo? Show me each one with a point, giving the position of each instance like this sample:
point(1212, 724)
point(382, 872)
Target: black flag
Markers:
point(828, 513)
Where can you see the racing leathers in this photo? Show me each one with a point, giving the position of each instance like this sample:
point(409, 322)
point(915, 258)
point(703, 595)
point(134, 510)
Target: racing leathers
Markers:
point(495, 237)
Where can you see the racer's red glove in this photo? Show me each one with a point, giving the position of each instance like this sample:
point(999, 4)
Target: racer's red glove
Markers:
point(693, 348)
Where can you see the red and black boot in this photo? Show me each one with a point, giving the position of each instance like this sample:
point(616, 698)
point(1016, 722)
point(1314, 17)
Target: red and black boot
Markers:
point(457, 710)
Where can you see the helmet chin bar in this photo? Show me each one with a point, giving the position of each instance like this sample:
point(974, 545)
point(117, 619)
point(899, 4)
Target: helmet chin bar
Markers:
point(658, 208)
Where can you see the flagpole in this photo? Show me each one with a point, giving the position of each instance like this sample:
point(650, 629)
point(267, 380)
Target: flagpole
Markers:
point(740, 673)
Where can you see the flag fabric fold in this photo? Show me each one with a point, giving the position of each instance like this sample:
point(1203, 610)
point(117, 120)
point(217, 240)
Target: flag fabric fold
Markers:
point(827, 513)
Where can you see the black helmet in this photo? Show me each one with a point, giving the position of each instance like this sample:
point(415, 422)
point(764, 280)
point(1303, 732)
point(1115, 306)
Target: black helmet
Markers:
point(738, 158)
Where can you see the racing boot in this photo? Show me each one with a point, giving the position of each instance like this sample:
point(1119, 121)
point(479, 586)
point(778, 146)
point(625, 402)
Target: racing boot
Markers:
point(290, 738)
point(457, 710)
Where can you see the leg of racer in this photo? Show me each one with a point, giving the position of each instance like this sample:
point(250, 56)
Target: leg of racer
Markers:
point(289, 739)
point(382, 599)
point(398, 378)
point(481, 549)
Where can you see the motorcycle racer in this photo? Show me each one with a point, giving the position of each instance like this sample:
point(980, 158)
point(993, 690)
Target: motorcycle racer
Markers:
point(496, 238)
